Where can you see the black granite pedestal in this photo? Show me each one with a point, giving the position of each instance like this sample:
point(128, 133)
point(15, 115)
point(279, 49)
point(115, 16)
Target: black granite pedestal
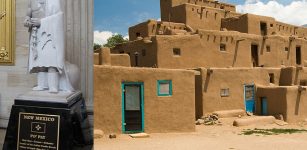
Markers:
point(44, 121)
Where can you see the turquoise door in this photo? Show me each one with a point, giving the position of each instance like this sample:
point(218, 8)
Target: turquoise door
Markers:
point(249, 97)
point(133, 107)
point(264, 106)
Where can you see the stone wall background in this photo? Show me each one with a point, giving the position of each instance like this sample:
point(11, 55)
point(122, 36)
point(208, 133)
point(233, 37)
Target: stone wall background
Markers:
point(15, 80)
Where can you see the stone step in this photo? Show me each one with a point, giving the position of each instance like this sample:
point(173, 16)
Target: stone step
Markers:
point(139, 135)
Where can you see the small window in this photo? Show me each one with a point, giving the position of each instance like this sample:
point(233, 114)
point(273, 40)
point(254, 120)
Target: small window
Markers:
point(271, 25)
point(224, 92)
point(165, 88)
point(176, 51)
point(268, 49)
point(122, 52)
point(286, 49)
point(223, 47)
point(138, 34)
point(215, 16)
point(143, 52)
point(272, 78)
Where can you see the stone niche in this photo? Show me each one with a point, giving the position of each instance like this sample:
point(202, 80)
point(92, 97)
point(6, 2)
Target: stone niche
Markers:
point(14, 79)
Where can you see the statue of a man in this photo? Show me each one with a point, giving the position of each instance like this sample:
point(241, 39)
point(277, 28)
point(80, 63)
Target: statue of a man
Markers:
point(45, 21)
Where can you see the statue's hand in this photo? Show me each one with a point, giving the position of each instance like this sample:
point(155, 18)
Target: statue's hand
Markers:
point(27, 22)
point(35, 22)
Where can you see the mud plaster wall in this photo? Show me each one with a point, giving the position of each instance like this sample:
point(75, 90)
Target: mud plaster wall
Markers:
point(198, 17)
point(120, 60)
point(166, 6)
point(162, 114)
point(147, 52)
point(116, 59)
point(253, 23)
point(296, 104)
point(250, 23)
point(151, 28)
point(286, 100)
point(301, 32)
point(286, 76)
point(203, 50)
point(191, 54)
point(293, 76)
point(276, 100)
point(235, 24)
point(232, 79)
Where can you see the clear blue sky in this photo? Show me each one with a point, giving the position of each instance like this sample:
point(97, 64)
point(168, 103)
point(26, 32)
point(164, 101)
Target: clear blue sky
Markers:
point(118, 15)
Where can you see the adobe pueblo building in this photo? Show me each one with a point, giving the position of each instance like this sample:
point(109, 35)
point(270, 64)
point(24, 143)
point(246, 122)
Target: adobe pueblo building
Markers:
point(201, 58)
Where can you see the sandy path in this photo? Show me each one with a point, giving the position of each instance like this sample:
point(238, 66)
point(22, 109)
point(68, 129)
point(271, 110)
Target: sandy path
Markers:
point(209, 138)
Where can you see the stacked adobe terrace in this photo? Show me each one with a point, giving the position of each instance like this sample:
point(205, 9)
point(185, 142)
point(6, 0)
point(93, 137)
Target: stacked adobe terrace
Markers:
point(211, 34)
point(238, 61)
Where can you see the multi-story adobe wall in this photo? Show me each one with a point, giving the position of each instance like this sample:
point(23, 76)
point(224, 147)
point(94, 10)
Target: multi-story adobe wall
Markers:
point(216, 49)
point(261, 25)
point(167, 5)
point(104, 57)
point(174, 113)
point(223, 88)
point(251, 24)
point(290, 76)
point(152, 27)
point(289, 101)
point(143, 53)
point(301, 32)
point(199, 17)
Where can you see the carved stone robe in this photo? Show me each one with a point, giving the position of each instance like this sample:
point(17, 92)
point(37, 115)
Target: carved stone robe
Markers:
point(49, 38)
point(51, 46)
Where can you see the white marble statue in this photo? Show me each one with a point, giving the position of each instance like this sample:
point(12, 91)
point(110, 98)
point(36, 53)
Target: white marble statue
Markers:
point(45, 21)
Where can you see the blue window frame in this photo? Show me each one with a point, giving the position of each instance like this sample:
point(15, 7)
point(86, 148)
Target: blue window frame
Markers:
point(164, 88)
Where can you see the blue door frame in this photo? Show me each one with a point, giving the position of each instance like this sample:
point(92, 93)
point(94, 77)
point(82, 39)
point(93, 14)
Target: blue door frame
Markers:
point(264, 106)
point(249, 98)
point(141, 84)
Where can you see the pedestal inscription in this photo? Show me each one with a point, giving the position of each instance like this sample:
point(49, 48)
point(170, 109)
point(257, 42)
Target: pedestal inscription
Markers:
point(38, 131)
point(45, 121)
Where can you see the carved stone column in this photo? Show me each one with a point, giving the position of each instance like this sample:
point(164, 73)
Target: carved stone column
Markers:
point(79, 41)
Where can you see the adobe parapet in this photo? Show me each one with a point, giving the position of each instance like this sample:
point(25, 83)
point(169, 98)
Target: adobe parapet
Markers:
point(166, 6)
point(153, 27)
point(262, 25)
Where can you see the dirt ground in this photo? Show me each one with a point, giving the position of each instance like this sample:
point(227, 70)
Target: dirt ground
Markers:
point(224, 137)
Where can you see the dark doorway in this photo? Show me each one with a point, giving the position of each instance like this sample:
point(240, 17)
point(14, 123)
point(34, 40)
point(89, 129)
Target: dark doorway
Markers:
point(133, 107)
point(263, 28)
point(255, 59)
point(272, 78)
point(298, 55)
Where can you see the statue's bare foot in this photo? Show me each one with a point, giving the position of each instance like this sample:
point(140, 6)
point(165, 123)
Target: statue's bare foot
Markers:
point(38, 88)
